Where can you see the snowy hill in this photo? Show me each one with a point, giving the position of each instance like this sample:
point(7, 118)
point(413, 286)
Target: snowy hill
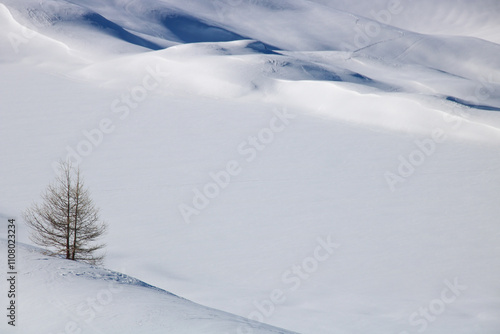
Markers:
point(61, 296)
point(320, 166)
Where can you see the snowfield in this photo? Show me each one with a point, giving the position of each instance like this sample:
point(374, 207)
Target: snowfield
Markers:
point(109, 302)
point(324, 167)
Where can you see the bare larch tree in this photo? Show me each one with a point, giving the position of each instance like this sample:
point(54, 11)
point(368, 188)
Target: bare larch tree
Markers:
point(67, 221)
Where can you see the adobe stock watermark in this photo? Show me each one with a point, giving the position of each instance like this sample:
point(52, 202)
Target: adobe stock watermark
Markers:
point(12, 279)
point(31, 29)
point(24, 37)
point(427, 314)
point(87, 310)
point(248, 150)
point(222, 7)
point(425, 148)
point(371, 29)
point(292, 279)
point(121, 107)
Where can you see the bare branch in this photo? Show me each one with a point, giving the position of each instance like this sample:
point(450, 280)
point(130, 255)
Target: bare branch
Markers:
point(67, 220)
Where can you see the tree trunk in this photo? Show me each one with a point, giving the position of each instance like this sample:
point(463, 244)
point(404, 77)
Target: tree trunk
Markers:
point(77, 213)
point(68, 217)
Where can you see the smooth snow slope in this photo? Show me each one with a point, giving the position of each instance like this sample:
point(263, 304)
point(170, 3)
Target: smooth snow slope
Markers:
point(61, 296)
point(371, 189)
point(451, 17)
point(371, 49)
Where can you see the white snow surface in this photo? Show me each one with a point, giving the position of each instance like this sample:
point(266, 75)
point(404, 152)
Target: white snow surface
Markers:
point(62, 296)
point(356, 158)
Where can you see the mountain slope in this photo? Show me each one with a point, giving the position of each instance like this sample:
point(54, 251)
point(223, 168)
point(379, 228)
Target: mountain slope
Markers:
point(360, 44)
point(57, 296)
point(250, 149)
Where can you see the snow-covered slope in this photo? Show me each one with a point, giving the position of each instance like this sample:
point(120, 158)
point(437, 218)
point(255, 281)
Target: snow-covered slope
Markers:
point(61, 296)
point(449, 17)
point(245, 150)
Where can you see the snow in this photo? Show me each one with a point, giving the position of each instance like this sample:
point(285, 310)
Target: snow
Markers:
point(108, 302)
point(297, 125)
point(457, 18)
